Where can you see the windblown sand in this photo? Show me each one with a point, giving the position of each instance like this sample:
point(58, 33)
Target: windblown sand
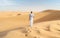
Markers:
point(16, 25)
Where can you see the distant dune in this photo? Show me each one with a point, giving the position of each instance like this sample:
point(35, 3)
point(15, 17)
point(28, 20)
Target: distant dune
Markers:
point(16, 24)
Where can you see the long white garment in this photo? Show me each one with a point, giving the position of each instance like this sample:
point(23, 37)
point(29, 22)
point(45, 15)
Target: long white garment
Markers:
point(31, 19)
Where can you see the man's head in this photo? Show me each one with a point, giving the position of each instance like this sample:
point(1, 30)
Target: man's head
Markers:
point(31, 11)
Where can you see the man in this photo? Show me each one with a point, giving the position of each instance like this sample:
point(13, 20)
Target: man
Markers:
point(31, 16)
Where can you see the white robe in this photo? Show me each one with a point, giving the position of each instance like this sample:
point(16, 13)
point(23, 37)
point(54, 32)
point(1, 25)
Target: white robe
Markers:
point(31, 16)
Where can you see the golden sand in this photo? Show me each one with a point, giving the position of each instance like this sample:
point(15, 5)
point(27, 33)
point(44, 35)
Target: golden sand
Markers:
point(16, 25)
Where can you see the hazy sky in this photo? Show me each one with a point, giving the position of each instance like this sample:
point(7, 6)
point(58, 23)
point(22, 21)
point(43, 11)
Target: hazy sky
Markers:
point(28, 5)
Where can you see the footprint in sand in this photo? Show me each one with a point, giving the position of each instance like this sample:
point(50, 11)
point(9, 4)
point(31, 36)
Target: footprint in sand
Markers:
point(47, 28)
point(24, 30)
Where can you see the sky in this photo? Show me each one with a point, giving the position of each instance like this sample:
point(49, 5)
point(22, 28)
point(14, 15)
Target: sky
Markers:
point(29, 5)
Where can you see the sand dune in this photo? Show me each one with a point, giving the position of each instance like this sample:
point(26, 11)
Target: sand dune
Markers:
point(51, 15)
point(16, 25)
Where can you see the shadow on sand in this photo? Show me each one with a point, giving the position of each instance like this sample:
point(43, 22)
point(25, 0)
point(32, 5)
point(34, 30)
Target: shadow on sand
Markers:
point(4, 33)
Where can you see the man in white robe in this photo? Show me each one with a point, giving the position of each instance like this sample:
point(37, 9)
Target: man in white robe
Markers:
point(31, 16)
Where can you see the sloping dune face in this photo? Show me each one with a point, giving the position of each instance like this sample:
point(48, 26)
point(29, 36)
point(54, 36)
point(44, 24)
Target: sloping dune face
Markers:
point(16, 25)
point(13, 21)
point(51, 15)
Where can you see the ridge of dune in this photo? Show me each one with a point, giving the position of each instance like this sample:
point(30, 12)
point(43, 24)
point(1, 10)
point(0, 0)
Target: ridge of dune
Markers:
point(51, 11)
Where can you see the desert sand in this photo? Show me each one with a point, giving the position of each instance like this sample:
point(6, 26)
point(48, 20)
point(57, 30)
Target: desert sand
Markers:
point(16, 25)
